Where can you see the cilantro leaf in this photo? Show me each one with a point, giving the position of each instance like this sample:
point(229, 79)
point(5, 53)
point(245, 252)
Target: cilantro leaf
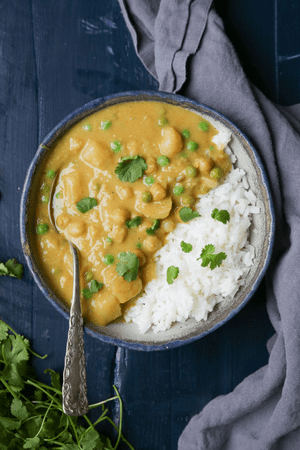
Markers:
point(32, 442)
point(91, 440)
point(208, 257)
point(3, 331)
point(222, 216)
point(18, 409)
point(85, 204)
point(150, 231)
point(186, 247)
point(135, 222)
point(186, 214)
point(11, 268)
point(172, 274)
point(55, 378)
point(87, 293)
point(131, 168)
point(128, 266)
point(95, 286)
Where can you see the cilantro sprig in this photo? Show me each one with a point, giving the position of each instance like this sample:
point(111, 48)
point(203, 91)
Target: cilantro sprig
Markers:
point(150, 231)
point(221, 215)
point(128, 266)
point(31, 411)
point(135, 222)
point(85, 204)
point(11, 268)
point(131, 168)
point(186, 214)
point(186, 247)
point(209, 257)
point(172, 274)
point(95, 286)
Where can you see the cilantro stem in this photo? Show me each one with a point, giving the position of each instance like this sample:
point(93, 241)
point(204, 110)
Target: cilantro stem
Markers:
point(120, 418)
point(95, 405)
point(8, 388)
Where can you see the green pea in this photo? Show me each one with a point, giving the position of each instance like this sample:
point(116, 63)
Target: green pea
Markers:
point(149, 181)
point(108, 259)
point(116, 146)
point(42, 228)
point(203, 126)
point(51, 173)
point(105, 124)
point(187, 200)
point(146, 197)
point(186, 133)
point(163, 160)
point(46, 187)
point(178, 190)
point(162, 121)
point(216, 173)
point(192, 146)
point(87, 127)
point(88, 276)
point(191, 171)
point(45, 198)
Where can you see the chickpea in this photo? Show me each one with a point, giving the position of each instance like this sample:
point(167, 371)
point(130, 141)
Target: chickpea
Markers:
point(152, 244)
point(76, 229)
point(119, 216)
point(119, 234)
point(158, 192)
point(152, 165)
point(124, 192)
point(204, 164)
point(167, 225)
point(62, 221)
point(141, 257)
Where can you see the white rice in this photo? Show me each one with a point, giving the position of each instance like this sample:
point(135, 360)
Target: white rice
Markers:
point(197, 289)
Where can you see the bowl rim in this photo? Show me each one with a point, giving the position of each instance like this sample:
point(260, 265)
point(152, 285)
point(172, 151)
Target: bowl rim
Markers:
point(61, 128)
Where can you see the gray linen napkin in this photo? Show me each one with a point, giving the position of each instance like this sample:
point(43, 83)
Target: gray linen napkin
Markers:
point(183, 44)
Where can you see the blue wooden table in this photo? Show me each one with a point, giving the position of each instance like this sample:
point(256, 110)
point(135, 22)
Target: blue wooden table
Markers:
point(54, 57)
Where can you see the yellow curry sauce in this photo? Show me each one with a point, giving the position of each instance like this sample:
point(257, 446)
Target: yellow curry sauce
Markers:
point(167, 154)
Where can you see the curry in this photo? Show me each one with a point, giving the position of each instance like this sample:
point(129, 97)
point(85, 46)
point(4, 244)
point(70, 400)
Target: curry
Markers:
point(128, 175)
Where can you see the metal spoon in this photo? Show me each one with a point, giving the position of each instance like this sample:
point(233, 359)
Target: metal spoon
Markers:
point(74, 389)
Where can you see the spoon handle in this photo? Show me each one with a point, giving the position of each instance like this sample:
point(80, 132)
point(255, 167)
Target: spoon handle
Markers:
point(74, 389)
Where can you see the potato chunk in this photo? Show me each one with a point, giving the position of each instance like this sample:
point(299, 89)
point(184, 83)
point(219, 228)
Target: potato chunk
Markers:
point(95, 154)
point(72, 188)
point(104, 308)
point(125, 290)
point(158, 192)
point(171, 142)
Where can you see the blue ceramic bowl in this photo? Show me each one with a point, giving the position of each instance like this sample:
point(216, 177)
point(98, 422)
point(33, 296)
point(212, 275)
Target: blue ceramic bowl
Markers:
point(127, 335)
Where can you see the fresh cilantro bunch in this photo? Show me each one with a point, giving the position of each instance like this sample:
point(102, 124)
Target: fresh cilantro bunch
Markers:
point(208, 257)
point(11, 268)
point(128, 266)
point(31, 414)
point(131, 168)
